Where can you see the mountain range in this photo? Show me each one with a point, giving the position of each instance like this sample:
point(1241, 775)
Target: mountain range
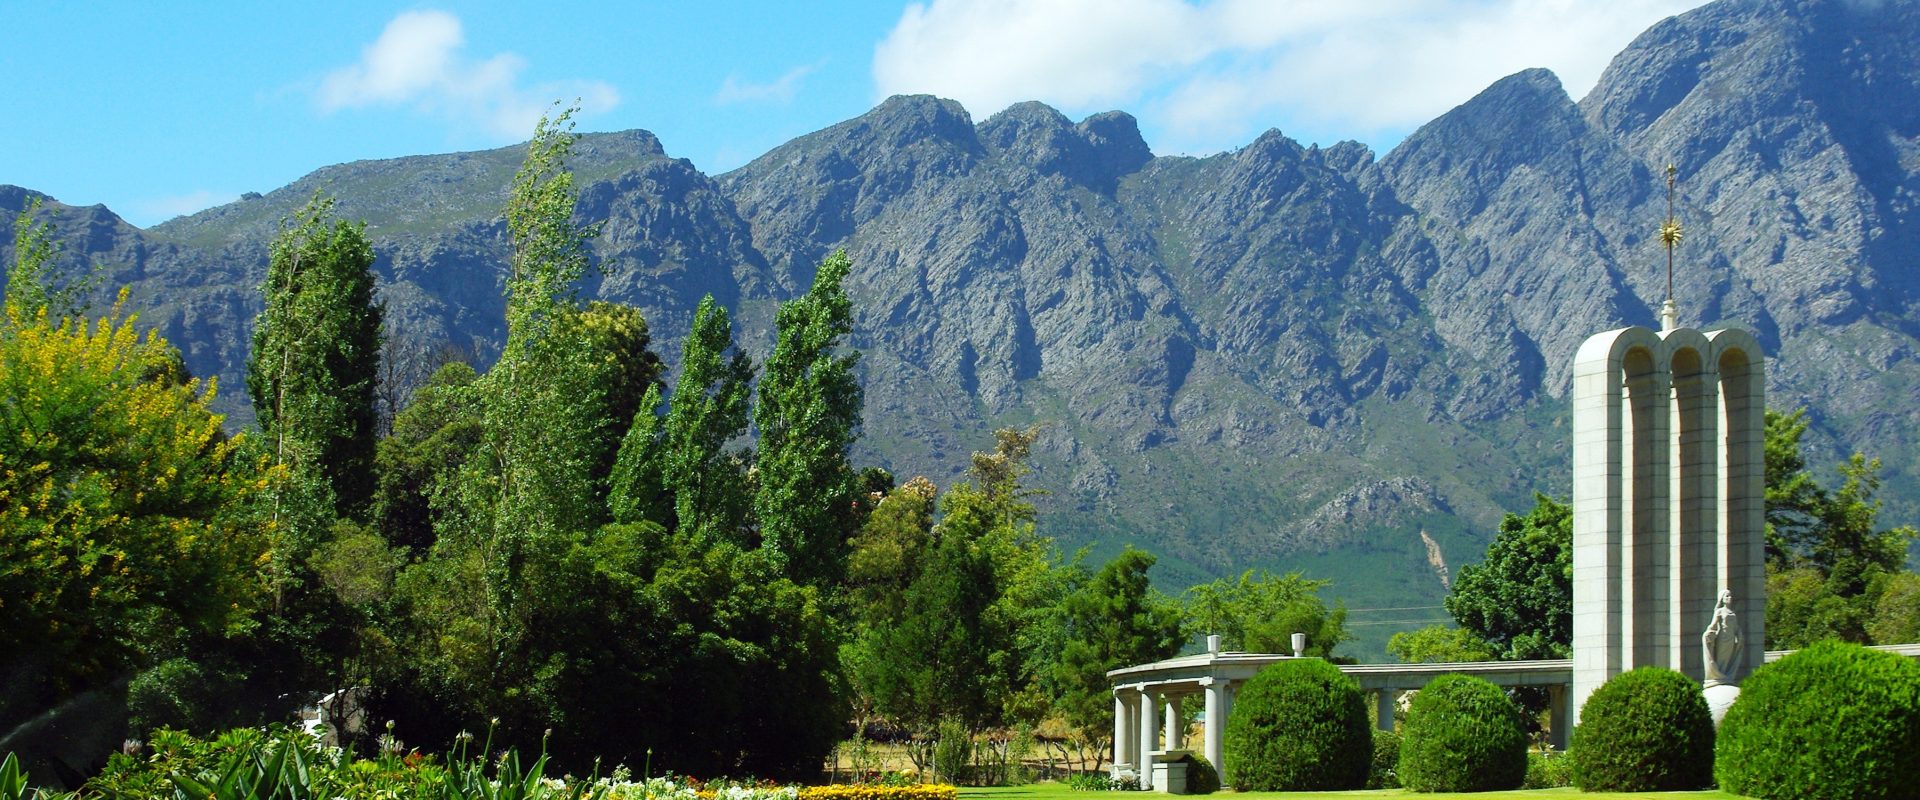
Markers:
point(1282, 356)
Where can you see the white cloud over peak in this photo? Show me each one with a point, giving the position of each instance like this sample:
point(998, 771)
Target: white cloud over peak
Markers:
point(1207, 73)
point(418, 62)
point(780, 90)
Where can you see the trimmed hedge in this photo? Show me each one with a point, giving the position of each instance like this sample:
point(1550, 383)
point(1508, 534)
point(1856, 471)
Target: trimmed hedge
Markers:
point(1299, 725)
point(1645, 730)
point(1463, 735)
point(1833, 720)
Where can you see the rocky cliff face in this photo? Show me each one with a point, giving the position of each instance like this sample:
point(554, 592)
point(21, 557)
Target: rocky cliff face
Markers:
point(1282, 355)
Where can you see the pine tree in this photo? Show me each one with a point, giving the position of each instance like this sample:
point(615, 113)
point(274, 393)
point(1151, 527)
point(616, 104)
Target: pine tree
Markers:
point(808, 417)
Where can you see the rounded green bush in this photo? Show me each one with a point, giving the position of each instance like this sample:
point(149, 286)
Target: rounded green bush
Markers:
point(1463, 735)
point(1646, 730)
point(1833, 720)
point(1299, 725)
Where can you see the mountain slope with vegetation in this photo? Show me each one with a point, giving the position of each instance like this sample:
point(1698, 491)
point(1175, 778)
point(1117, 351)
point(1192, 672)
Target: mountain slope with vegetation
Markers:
point(1282, 355)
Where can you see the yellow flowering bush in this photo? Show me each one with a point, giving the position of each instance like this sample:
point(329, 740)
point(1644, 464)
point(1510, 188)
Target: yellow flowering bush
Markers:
point(120, 499)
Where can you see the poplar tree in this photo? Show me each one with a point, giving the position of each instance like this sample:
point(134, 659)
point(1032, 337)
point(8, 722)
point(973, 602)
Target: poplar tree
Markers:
point(808, 416)
point(709, 409)
point(316, 351)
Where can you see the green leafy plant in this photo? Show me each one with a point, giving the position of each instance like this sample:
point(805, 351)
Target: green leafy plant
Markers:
point(1646, 730)
point(1299, 725)
point(1462, 735)
point(1202, 778)
point(1385, 771)
point(1835, 719)
point(1548, 770)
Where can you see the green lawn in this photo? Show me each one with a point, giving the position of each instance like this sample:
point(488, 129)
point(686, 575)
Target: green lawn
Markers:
point(1059, 791)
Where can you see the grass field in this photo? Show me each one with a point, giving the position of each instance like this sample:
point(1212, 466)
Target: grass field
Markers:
point(1057, 791)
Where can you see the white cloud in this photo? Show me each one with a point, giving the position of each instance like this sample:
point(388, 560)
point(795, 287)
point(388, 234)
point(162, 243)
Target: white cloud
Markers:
point(1207, 70)
point(161, 209)
point(781, 90)
point(417, 62)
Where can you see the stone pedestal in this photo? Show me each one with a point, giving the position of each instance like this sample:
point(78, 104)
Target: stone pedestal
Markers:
point(1720, 697)
point(1170, 771)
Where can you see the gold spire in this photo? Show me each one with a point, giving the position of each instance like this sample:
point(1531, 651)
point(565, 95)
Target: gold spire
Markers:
point(1670, 236)
point(1670, 231)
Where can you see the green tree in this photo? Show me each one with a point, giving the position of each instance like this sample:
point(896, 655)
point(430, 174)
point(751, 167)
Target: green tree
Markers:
point(30, 290)
point(123, 508)
point(1115, 620)
point(948, 656)
point(1519, 599)
point(1260, 611)
point(708, 409)
point(316, 352)
point(432, 437)
point(1439, 644)
point(1828, 561)
point(637, 490)
point(808, 417)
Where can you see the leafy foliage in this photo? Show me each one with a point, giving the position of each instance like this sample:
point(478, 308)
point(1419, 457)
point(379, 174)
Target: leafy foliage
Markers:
point(1834, 719)
point(1384, 773)
point(1113, 621)
point(709, 409)
point(1299, 725)
point(1828, 562)
point(808, 416)
point(316, 351)
point(1462, 735)
point(1260, 611)
point(1202, 778)
point(124, 509)
point(1519, 599)
point(1645, 730)
point(1439, 644)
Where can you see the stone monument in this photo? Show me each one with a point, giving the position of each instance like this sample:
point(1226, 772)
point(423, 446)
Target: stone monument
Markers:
point(1668, 499)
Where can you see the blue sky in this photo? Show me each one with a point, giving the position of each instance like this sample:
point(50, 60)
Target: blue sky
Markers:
point(157, 110)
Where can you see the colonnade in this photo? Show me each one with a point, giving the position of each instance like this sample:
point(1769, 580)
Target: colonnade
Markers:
point(1150, 720)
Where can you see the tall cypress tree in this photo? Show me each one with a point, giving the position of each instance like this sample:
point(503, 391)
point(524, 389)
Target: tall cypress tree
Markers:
point(708, 409)
point(809, 415)
point(316, 351)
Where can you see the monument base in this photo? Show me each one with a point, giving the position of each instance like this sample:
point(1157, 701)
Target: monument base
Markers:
point(1720, 697)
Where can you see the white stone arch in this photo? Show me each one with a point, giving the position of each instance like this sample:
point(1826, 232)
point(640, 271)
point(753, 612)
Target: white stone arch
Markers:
point(1667, 466)
point(1741, 368)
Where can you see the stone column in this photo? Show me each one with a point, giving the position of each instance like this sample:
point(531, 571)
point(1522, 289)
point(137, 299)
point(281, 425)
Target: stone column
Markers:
point(1383, 708)
point(1148, 733)
point(1176, 723)
point(1559, 717)
point(1696, 521)
point(1120, 728)
point(1216, 724)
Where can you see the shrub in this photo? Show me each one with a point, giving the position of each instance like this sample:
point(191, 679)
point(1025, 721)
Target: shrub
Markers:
point(1646, 730)
point(1836, 720)
point(1462, 735)
point(1299, 725)
point(1202, 778)
point(1385, 773)
point(953, 752)
point(1548, 770)
point(1089, 782)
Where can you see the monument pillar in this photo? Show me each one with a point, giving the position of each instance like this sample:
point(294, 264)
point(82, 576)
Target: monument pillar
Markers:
point(1668, 498)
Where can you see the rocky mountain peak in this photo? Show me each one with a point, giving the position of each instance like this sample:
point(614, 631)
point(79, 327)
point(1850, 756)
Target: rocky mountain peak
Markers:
point(1094, 153)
